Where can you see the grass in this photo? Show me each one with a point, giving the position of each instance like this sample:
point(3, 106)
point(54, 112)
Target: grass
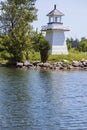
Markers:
point(55, 58)
point(69, 57)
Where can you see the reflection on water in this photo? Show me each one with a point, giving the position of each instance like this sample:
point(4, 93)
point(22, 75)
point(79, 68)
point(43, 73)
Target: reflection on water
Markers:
point(42, 100)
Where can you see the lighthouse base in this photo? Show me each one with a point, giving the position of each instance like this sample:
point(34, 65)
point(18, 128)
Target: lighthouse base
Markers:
point(59, 50)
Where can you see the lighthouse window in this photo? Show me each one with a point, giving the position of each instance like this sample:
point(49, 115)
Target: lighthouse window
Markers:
point(55, 19)
point(50, 19)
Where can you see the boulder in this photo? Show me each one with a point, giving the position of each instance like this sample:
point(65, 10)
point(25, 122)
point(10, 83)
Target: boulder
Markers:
point(75, 63)
point(84, 62)
point(45, 65)
point(59, 64)
point(36, 63)
point(19, 64)
point(70, 67)
point(27, 64)
point(40, 64)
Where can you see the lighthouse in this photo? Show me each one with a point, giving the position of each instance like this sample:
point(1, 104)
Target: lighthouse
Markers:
point(55, 32)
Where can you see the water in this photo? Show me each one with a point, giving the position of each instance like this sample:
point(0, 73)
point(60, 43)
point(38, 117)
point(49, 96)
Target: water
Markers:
point(43, 100)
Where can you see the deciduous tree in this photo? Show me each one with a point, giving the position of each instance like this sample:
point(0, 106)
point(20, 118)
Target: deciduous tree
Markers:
point(15, 18)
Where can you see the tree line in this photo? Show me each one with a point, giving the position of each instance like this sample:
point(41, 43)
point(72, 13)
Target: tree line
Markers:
point(79, 45)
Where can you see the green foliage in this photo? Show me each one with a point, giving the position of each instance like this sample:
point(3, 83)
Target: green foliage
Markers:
point(44, 48)
point(35, 56)
point(2, 48)
point(15, 19)
point(72, 43)
point(82, 46)
point(15, 14)
point(74, 50)
point(17, 47)
point(69, 43)
point(36, 36)
point(5, 55)
point(42, 45)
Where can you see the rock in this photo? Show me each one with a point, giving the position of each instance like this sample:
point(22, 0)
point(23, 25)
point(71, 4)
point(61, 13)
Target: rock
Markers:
point(64, 65)
point(51, 67)
point(36, 63)
point(81, 64)
point(64, 61)
point(84, 62)
point(61, 65)
point(2, 65)
point(47, 65)
point(19, 64)
point(40, 64)
point(56, 68)
point(70, 67)
point(27, 64)
point(75, 63)
point(58, 64)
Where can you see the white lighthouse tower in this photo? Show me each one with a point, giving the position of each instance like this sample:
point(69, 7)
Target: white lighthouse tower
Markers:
point(55, 32)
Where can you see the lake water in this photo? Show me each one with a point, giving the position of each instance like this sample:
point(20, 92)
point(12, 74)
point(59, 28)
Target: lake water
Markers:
point(43, 100)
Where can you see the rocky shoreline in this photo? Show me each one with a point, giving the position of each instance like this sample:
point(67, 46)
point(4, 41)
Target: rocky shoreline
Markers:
point(60, 65)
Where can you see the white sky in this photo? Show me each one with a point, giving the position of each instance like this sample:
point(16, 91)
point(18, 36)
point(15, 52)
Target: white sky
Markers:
point(75, 15)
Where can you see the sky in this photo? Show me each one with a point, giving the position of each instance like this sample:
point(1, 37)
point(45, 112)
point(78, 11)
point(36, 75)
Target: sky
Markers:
point(75, 15)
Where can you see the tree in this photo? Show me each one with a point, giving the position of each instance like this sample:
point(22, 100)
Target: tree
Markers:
point(82, 46)
point(36, 36)
point(69, 44)
point(40, 44)
point(44, 47)
point(15, 19)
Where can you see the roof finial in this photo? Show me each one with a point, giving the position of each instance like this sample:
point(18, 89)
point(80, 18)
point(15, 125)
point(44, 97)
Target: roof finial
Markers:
point(54, 6)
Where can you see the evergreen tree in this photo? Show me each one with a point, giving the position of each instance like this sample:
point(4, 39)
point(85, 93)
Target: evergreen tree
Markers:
point(40, 44)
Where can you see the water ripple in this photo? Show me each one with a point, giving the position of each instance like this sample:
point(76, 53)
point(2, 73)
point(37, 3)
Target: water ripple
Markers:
point(43, 100)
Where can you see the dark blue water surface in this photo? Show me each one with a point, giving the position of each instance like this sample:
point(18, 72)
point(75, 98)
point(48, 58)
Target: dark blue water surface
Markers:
point(43, 100)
